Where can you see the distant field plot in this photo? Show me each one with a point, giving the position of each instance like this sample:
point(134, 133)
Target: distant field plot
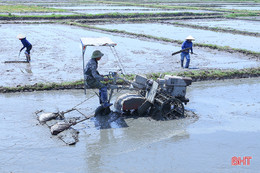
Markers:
point(26, 8)
point(241, 6)
point(242, 25)
point(101, 9)
point(56, 55)
point(223, 5)
point(180, 33)
point(37, 13)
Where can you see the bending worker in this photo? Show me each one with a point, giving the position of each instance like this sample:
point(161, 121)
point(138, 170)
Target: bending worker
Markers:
point(93, 78)
point(186, 44)
point(27, 45)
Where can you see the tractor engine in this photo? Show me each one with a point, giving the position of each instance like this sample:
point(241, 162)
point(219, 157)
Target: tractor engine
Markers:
point(165, 96)
point(175, 86)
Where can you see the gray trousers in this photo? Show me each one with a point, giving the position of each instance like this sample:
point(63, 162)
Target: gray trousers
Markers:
point(93, 83)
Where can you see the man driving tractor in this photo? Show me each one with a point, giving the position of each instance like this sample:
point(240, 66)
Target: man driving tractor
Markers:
point(94, 79)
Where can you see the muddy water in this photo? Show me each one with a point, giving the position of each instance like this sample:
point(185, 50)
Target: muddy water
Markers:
point(228, 125)
point(56, 55)
point(242, 25)
point(180, 33)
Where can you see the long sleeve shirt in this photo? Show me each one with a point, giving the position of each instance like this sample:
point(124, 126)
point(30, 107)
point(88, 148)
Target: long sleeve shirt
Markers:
point(25, 43)
point(187, 44)
point(91, 70)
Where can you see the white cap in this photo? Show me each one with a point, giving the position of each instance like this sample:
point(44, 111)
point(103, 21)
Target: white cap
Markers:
point(190, 38)
point(20, 36)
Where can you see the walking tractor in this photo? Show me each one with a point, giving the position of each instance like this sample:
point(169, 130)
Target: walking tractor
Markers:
point(162, 99)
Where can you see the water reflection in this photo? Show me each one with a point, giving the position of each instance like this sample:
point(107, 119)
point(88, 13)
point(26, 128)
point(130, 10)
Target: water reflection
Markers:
point(112, 139)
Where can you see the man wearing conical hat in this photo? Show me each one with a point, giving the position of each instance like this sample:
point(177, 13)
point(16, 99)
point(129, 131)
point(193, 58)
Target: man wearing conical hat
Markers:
point(186, 44)
point(93, 78)
point(27, 45)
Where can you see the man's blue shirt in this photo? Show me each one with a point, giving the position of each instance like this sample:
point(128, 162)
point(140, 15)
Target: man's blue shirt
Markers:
point(25, 43)
point(187, 44)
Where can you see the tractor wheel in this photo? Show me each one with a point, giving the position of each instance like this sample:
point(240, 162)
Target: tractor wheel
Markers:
point(172, 109)
point(102, 111)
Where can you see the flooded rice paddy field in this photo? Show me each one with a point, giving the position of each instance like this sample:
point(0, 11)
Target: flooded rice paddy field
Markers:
point(56, 55)
point(227, 125)
point(221, 5)
point(180, 33)
point(255, 18)
point(106, 9)
point(227, 112)
point(241, 6)
point(242, 25)
point(228, 5)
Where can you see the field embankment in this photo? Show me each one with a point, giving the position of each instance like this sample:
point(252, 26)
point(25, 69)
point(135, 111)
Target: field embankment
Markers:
point(196, 75)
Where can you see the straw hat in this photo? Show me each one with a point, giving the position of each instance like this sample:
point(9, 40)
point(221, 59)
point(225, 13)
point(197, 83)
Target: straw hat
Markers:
point(97, 54)
point(20, 36)
point(190, 38)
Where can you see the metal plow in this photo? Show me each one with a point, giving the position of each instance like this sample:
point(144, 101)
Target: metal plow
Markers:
point(61, 125)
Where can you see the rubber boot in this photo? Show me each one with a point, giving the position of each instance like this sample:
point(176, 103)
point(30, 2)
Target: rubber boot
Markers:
point(27, 56)
point(182, 63)
point(100, 101)
point(187, 64)
point(103, 97)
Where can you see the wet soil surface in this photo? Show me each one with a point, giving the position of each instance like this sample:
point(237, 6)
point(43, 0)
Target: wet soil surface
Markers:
point(180, 33)
point(242, 25)
point(228, 125)
point(56, 55)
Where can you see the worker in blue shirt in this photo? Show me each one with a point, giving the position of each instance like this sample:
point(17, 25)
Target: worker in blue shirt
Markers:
point(27, 45)
point(94, 79)
point(186, 44)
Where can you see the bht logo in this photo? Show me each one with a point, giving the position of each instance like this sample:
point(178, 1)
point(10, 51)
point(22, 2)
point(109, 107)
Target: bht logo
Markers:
point(237, 160)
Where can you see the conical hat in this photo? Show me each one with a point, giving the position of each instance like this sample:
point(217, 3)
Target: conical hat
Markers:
point(20, 36)
point(190, 38)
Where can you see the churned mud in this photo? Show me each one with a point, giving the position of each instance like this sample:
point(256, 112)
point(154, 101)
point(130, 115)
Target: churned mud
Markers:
point(56, 55)
point(226, 126)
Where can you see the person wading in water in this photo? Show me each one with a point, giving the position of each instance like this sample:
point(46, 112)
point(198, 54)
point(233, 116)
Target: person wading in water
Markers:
point(27, 45)
point(186, 44)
